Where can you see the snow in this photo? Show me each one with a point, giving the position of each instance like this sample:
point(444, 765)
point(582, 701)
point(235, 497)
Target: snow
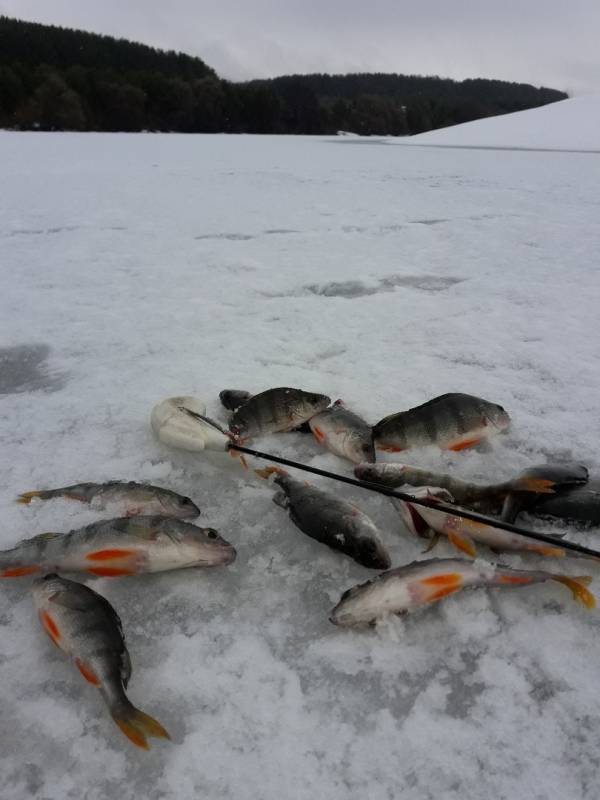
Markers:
point(572, 125)
point(138, 267)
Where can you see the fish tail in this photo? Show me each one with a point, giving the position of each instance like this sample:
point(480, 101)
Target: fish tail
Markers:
point(27, 497)
point(266, 472)
point(137, 726)
point(537, 485)
point(577, 585)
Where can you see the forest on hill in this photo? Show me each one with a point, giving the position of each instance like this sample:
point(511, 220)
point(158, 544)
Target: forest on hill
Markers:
point(54, 78)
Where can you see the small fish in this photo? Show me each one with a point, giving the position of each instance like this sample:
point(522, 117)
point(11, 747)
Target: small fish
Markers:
point(232, 399)
point(464, 533)
point(85, 626)
point(133, 498)
point(483, 497)
point(344, 433)
point(122, 546)
point(452, 422)
point(336, 523)
point(275, 410)
point(564, 476)
point(405, 589)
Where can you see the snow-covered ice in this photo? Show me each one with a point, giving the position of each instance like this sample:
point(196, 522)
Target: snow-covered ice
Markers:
point(572, 124)
point(137, 267)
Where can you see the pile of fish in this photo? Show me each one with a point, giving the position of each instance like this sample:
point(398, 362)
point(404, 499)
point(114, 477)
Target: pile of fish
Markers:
point(153, 531)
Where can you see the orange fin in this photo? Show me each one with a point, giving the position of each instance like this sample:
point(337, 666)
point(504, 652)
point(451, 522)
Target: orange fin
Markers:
point(88, 673)
point(546, 550)
point(577, 585)
point(27, 497)
point(137, 726)
point(266, 472)
point(538, 485)
point(463, 543)
point(50, 626)
point(113, 554)
point(318, 434)
point(512, 579)
point(389, 448)
point(463, 444)
point(18, 572)
point(448, 579)
point(110, 572)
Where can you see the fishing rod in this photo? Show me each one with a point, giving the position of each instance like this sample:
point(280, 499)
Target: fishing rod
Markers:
point(418, 501)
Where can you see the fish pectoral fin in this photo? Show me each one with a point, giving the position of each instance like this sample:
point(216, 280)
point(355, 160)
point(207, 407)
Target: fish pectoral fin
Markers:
point(464, 444)
point(318, 434)
point(535, 485)
point(577, 585)
point(438, 586)
point(546, 550)
point(463, 542)
point(137, 726)
point(18, 572)
point(88, 673)
point(114, 561)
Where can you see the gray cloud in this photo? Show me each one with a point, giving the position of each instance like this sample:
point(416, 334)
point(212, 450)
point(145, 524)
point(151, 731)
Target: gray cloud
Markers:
point(548, 42)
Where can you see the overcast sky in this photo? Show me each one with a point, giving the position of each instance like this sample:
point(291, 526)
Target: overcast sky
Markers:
point(544, 42)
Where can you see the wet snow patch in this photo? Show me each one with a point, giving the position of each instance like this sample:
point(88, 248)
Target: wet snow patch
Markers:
point(352, 289)
point(23, 368)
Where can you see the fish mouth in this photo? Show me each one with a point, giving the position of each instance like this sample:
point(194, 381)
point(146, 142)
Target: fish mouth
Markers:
point(225, 555)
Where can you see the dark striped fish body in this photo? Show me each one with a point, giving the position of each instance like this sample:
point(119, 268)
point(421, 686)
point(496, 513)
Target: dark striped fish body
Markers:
point(344, 433)
point(464, 533)
point(414, 586)
point(565, 477)
point(131, 497)
point(452, 422)
point(488, 498)
point(86, 627)
point(336, 523)
point(275, 410)
point(122, 546)
point(232, 399)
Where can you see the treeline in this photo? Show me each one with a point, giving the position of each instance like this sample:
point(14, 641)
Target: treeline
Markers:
point(55, 78)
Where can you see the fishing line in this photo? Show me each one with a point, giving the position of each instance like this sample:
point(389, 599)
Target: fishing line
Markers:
point(417, 501)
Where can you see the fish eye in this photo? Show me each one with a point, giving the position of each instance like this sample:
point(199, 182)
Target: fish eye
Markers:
point(212, 533)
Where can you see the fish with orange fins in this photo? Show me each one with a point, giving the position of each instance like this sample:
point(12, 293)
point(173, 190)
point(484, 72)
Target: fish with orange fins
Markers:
point(274, 411)
point(85, 626)
point(464, 533)
point(132, 498)
point(344, 433)
point(406, 589)
point(452, 421)
point(116, 547)
point(483, 497)
point(324, 517)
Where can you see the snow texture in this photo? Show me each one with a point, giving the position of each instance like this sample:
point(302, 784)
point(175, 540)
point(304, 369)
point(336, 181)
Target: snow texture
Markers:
point(137, 267)
point(572, 125)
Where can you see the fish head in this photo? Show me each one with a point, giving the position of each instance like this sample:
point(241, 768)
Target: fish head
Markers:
point(203, 545)
point(368, 471)
point(354, 607)
point(306, 404)
point(497, 416)
point(176, 505)
point(45, 587)
point(372, 553)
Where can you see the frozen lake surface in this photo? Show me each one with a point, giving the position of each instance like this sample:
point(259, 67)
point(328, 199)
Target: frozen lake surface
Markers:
point(136, 267)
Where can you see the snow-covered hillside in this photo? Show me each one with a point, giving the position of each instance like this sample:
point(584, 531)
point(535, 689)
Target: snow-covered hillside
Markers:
point(135, 267)
point(572, 124)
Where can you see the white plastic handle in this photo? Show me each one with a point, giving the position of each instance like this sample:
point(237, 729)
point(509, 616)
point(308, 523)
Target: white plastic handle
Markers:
point(175, 427)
